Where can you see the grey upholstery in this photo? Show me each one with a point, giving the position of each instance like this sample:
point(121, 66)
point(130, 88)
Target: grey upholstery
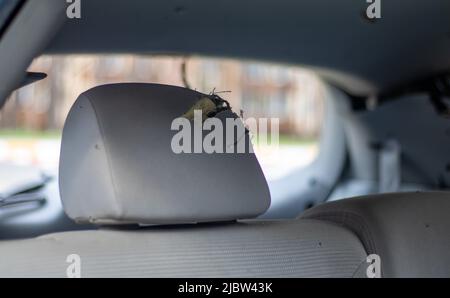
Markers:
point(117, 166)
point(409, 231)
point(297, 248)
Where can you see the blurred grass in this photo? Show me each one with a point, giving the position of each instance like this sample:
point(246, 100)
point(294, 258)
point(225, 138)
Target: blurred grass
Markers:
point(29, 134)
point(289, 140)
point(55, 134)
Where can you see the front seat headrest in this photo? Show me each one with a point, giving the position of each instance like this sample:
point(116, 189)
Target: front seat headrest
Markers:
point(117, 165)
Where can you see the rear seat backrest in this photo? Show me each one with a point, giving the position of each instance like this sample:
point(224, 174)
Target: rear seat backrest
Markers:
point(295, 248)
point(409, 231)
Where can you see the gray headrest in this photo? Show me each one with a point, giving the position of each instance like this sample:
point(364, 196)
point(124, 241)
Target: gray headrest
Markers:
point(117, 165)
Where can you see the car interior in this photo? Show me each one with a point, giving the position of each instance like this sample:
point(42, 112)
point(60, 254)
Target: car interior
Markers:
point(377, 184)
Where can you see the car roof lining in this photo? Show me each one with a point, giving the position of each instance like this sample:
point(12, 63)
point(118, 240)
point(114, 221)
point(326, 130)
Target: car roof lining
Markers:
point(362, 57)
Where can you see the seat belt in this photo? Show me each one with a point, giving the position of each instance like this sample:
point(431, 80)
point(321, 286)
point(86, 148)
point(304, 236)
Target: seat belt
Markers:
point(389, 167)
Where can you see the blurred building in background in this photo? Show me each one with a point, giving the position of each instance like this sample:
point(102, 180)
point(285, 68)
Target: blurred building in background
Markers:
point(32, 119)
point(293, 95)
